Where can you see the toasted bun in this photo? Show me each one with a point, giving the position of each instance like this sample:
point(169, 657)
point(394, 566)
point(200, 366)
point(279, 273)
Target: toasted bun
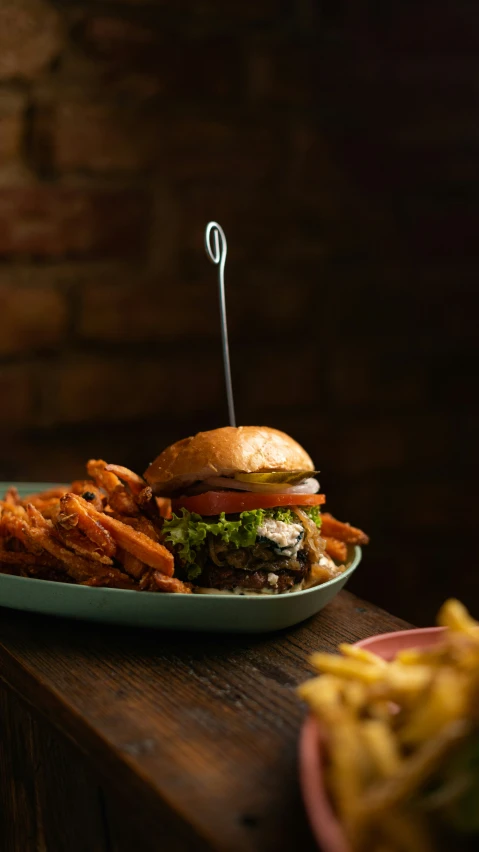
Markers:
point(223, 452)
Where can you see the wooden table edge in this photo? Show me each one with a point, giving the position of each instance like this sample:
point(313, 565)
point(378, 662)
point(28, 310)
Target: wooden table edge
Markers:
point(22, 680)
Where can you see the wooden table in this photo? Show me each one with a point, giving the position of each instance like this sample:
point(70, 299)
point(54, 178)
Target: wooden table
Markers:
point(116, 740)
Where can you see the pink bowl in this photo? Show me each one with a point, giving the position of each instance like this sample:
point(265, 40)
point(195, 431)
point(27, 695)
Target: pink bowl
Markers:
point(325, 825)
point(387, 645)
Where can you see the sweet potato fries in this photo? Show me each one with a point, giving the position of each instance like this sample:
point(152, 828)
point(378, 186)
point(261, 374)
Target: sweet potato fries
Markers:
point(338, 535)
point(107, 531)
point(102, 531)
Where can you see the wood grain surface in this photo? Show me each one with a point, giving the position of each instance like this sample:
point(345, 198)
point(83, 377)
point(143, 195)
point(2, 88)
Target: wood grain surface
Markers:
point(196, 732)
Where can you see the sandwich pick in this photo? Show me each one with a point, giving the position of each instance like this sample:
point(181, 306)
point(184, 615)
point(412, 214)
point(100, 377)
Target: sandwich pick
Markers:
point(217, 254)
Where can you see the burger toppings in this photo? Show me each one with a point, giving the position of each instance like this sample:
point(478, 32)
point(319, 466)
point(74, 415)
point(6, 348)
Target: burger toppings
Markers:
point(283, 537)
point(232, 502)
point(285, 477)
point(189, 532)
point(314, 544)
point(260, 485)
point(268, 540)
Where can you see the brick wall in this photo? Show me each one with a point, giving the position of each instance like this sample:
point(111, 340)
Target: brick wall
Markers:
point(337, 144)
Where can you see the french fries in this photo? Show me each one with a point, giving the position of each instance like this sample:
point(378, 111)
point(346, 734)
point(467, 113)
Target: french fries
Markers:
point(131, 540)
point(74, 512)
point(135, 483)
point(89, 490)
point(336, 549)
point(128, 493)
point(395, 731)
point(331, 528)
point(12, 497)
point(141, 524)
point(142, 493)
point(158, 582)
point(337, 536)
point(122, 502)
point(101, 531)
point(119, 497)
point(132, 565)
point(79, 568)
point(79, 543)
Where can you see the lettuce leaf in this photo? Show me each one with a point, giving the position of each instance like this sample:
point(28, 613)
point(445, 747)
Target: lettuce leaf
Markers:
point(281, 513)
point(188, 532)
point(314, 512)
point(285, 514)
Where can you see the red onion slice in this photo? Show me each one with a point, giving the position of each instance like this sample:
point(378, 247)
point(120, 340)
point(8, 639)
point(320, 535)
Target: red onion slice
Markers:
point(308, 486)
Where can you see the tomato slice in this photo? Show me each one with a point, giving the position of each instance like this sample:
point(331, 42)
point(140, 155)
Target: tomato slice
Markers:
point(231, 502)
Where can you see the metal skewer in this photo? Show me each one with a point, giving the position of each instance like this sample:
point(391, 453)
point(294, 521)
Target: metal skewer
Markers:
point(217, 254)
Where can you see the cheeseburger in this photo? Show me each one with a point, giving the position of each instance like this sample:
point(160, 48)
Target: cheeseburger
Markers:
point(245, 512)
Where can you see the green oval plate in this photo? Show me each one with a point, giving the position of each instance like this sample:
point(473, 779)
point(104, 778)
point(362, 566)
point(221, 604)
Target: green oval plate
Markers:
point(219, 612)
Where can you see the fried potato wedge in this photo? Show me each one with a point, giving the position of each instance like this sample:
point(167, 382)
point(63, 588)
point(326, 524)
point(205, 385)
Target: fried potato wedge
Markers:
point(12, 497)
point(135, 483)
point(75, 511)
point(90, 492)
point(79, 543)
point(122, 502)
point(141, 524)
point(157, 582)
point(96, 469)
point(331, 528)
point(336, 549)
point(82, 570)
point(132, 565)
point(137, 543)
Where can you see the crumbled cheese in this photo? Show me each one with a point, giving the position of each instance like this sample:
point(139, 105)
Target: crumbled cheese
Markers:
point(286, 537)
point(273, 578)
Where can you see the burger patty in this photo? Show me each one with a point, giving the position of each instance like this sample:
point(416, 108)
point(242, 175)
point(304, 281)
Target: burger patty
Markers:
point(252, 567)
point(213, 577)
point(259, 556)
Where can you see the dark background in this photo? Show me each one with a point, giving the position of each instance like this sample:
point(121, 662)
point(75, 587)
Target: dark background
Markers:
point(337, 143)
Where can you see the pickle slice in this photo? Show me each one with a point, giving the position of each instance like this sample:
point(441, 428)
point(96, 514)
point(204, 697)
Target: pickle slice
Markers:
point(285, 477)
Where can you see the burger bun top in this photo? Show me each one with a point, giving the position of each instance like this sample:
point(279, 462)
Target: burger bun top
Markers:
point(224, 452)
